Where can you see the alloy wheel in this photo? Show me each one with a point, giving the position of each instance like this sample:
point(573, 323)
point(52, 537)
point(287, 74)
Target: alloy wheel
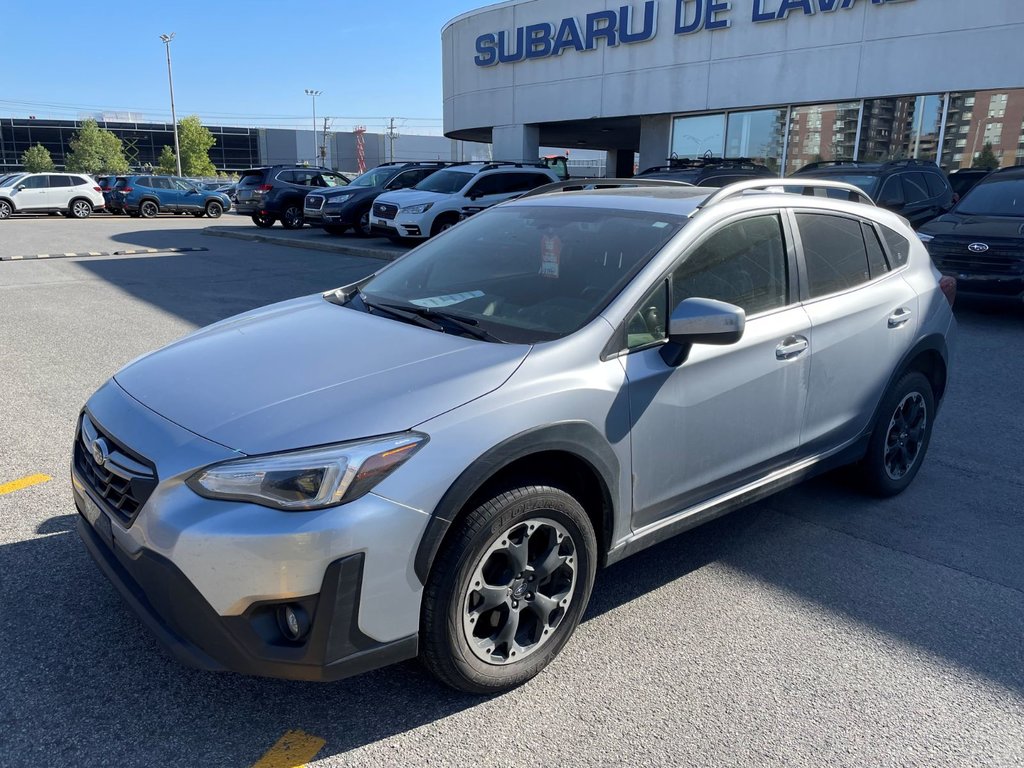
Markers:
point(81, 209)
point(5, 209)
point(905, 436)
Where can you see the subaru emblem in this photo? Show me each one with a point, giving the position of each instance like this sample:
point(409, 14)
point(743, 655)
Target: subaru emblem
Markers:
point(99, 451)
point(977, 247)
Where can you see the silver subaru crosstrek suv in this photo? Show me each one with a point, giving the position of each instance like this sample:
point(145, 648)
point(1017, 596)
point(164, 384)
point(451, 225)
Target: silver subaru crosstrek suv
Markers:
point(434, 461)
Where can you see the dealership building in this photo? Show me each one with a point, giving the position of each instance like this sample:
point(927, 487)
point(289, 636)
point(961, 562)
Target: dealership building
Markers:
point(785, 82)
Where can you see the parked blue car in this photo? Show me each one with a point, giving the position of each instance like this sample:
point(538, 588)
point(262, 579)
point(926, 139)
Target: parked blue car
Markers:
point(147, 196)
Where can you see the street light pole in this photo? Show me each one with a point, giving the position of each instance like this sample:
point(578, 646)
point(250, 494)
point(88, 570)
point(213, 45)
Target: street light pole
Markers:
point(314, 94)
point(174, 117)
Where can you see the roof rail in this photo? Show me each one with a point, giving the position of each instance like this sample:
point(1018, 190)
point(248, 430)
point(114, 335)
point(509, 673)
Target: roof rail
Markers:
point(488, 164)
point(827, 163)
point(785, 185)
point(579, 185)
point(907, 162)
point(419, 162)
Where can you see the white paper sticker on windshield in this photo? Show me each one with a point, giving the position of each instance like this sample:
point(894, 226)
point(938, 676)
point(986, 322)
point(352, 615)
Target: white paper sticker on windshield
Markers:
point(447, 301)
point(660, 224)
point(550, 255)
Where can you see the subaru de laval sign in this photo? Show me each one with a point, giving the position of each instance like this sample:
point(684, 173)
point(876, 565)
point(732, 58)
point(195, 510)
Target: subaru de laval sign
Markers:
point(631, 24)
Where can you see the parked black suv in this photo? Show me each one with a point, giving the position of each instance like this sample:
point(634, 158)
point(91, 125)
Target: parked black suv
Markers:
point(981, 241)
point(338, 210)
point(964, 179)
point(277, 192)
point(918, 190)
point(709, 171)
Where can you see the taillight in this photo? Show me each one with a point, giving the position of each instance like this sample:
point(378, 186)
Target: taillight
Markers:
point(127, 190)
point(98, 189)
point(948, 287)
point(264, 187)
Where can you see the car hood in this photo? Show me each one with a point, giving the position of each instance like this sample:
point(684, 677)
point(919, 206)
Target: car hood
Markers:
point(349, 190)
point(406, 197)
point(308, 372)
point(963, 225)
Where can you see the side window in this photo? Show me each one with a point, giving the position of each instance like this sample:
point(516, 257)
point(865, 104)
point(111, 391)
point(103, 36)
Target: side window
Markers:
point(182, 185)
point(493, 184)
point(289, 177)
point(77, 181)
point(333, 180)
point(650, 321)
point(899, 247)
point(527, 181)
point(162, 182)
point(34, 182)
point(876, 256)
point(834, 253)
point(406, 179)
point(744, 263)
point(915, 188)
point(892, 192)
point(57, 181)
point(936, 187)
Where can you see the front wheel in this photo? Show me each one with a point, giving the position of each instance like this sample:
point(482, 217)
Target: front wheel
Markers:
point(292, 217)
point(508, 589)
point(263, 221)
point(363, 228)
point(5, 209)
point(900, 437)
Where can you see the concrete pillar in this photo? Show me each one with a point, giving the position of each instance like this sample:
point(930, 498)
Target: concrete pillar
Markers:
point(655, 139)
point(618, 164)
point(517, 143)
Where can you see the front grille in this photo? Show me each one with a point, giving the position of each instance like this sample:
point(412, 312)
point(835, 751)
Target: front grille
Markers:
point(954, 256)
point(385, 210)
point(123, 481)
point(314, 202)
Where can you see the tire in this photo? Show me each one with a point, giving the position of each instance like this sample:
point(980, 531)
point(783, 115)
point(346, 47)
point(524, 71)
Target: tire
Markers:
point(291, 218)
point(6, 209)
point(263, 222)
point(214, 209)
point(443, 222)
point(148, 209)
point(335, 230)
point(362, 227)
point(547, 596)
point(900, 438)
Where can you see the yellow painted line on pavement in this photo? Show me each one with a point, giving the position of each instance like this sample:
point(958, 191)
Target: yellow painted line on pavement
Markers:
point(25, 482)
point(293, 750)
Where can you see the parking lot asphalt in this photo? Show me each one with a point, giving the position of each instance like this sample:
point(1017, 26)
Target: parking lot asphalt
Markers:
point(819, 627)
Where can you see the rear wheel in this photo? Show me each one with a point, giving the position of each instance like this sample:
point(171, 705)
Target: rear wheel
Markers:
point(80, 209)
point(292, 217)
point(263, 221)
point(148, 209)
point(900, 437)
point(214, 209)
point(508, 589)
point(5, 209)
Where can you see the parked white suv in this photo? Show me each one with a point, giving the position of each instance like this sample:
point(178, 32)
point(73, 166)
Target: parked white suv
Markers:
point(75, 194)
point(437, 203)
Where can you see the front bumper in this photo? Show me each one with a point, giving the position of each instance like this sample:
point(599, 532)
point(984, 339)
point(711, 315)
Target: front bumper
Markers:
point(979, 285)
point(331, 217)
point(405, 226)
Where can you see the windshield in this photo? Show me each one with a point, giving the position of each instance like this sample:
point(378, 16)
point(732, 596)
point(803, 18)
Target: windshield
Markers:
point(527, 274)
point(994, 198)
point(375, 178)
point(9, 179)
point(445, 182)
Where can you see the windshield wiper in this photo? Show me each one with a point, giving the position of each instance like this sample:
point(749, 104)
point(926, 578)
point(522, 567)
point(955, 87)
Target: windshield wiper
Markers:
point(468, 325)
point(404, 314)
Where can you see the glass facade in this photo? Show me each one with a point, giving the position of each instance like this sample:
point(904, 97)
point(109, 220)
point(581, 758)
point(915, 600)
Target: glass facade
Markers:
point(955, 130)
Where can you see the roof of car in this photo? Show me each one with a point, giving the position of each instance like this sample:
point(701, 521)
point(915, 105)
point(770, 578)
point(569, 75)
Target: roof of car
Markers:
point(1013, 170)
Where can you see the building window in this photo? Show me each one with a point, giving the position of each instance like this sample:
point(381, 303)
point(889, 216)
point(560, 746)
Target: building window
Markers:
point(828, 132)
point(993, 133)
point(992, 123)
point(997, 106)
point(901, 127)
point(757, 135)
point(698, 136)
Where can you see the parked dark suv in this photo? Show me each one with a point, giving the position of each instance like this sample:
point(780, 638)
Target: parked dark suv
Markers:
point(918, 190)
point(709, 171)
point(981, 241)
point(338, 210)
point(277, 192)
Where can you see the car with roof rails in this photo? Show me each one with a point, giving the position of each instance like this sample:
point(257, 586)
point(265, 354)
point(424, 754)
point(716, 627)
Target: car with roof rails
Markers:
point(278, 192)
point(918, 190)
point(980, 242)
point(709, 171)
point(437, 203)
point(147, 196)
point(73, 194)
point(339, 210)
point(551, 386)
point(962, 180)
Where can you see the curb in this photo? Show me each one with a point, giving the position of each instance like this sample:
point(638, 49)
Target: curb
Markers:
point(290, 242)
point(134, 252)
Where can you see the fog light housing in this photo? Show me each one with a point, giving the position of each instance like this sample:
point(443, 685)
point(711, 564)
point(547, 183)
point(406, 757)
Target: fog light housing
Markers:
point(293, 621)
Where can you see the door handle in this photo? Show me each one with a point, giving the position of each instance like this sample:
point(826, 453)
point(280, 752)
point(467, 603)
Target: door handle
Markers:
point(790, 348)
point(900, 317)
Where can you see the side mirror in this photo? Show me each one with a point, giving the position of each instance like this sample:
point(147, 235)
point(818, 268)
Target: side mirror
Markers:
point(474, 195)
point(701, 321)
point(21, 187)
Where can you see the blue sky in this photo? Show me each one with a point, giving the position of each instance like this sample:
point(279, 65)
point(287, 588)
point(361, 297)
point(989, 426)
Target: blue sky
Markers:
point(369, 57)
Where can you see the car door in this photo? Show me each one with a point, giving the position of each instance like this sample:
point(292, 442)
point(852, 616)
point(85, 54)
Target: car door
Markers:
point(729, 414)
point(488, 190)
point(33, 193)
point(864, 318)
point(61, 190)
point(187, 196)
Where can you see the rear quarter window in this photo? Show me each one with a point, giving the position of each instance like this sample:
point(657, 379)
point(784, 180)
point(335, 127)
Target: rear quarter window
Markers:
point(899, 247)
point(936, 186)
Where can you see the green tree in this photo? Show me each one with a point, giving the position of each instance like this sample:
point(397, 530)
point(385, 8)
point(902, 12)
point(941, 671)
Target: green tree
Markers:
point(195, 142)
point(96, 151)
point(37, 159)
point(166, 163)
point(986, 158)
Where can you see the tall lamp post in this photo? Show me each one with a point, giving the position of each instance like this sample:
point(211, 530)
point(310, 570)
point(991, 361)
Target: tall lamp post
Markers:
point(314, 94)
point(174, 117)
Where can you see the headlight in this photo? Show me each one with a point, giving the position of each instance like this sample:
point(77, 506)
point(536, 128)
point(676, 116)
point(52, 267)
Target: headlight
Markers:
point(338, 200)
point(423, 208)
point(309, 479)
point(924, 238)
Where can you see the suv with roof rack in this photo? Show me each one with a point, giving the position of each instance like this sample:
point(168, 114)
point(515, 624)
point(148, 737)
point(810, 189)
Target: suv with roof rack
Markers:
point(277, 192)
point(437, 202)
point(553, 385)
point(338, 210)
point(709, 171)
point(918, 190)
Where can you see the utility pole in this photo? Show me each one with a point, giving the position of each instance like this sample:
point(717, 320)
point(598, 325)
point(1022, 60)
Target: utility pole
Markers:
point(392, 134)
point(323, 144)
point(174, 117)
point(314, 93)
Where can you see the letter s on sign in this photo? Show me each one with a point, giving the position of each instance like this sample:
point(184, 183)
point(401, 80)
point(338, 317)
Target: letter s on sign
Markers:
point(487, 50)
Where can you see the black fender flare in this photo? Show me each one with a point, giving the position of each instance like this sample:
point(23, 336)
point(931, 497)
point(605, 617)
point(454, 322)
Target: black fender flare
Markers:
point(578, 438)
point(935, 342)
